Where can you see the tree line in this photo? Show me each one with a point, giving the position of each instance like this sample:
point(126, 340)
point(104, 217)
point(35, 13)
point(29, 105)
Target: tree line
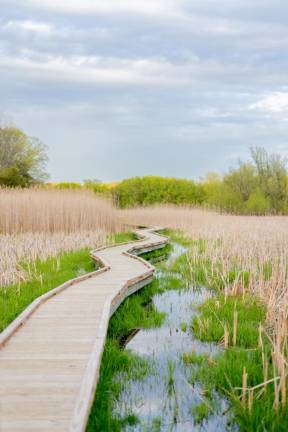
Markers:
point(258, 186)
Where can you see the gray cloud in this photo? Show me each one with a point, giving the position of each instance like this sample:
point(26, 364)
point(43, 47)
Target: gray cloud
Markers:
point(108, 84)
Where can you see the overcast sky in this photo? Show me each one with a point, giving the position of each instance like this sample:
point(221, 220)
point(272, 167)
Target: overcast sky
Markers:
point(117, 88)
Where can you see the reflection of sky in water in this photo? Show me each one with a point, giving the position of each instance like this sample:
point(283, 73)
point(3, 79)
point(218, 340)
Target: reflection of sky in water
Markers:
point(177, 250)
point(151, 397)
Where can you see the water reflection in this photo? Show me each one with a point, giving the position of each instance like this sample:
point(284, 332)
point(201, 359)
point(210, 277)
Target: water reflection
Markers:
point(164, 400)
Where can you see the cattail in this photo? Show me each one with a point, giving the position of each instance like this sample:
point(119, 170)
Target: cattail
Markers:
point(282, 385)
point(226, 336)
point(235, 324)
point(276, 386)
point(244, 386)
point(265, 373)
point(250, 400)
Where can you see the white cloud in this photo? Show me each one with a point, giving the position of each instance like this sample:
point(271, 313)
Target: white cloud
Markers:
point(107, 6)
point(28, 26)
point(275, 103)
point(93, 69)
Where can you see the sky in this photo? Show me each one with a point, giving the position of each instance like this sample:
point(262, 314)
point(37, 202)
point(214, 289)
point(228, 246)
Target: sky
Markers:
point(119, 88)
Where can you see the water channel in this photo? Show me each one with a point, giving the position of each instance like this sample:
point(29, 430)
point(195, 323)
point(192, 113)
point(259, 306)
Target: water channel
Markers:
point(166, 398)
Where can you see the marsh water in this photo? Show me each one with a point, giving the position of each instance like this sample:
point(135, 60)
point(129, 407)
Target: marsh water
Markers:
point(165, 399)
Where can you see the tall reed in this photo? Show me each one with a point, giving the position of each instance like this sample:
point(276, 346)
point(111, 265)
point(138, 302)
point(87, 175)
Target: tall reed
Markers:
point(38, 223)
point(52, 210)
point(254, 250)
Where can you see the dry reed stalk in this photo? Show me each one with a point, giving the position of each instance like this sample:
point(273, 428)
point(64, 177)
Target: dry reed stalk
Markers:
point(235, 325)
point(50, 211)
point(38, 223)
point(253, 246)
point(244, 386)
point(226, 336)
point(276, 385)
point(250, 400)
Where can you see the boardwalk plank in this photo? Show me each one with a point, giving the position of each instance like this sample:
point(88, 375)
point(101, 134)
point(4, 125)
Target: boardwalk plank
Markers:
point(49, 366)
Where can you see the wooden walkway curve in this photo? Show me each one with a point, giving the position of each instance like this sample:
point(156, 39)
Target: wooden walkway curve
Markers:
point(50, 355)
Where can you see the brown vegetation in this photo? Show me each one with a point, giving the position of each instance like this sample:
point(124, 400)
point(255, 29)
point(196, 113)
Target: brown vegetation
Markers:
point(38, 223)
point(255, 249)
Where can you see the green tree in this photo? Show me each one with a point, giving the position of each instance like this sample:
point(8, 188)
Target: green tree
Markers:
point(242, 180)
point(257, 203)
point(272, 173)
point(153, 190)
point(212, 185)
point(22, 158)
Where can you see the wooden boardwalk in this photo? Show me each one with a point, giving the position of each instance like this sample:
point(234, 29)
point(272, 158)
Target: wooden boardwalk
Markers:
point(50, 356)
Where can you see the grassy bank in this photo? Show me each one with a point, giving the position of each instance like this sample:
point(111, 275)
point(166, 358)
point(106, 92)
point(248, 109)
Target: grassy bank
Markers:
point(245, 370)
point(136, 312)
point(249, 370)
point(118, 365)
point(45, 275)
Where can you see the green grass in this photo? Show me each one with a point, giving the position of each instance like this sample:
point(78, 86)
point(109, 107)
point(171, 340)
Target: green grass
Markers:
point(134, 313)
point(215, 313)
point(157, 254)
point(137, 312)
point(224, 373)
point(115, 361)
point(46, 275)
point(177, 236)
point(122, 237)
point(183, 327)
point(200, 412)
point(194, 359)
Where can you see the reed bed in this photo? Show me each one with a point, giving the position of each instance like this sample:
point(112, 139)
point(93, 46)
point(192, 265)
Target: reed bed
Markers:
point(254, 250)
point(50, 211)
point(38, 223)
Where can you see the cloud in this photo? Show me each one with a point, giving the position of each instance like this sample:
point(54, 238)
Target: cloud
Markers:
point(28, 26)
point(276, 103)
point(95, 69)
point(199, 81)
point(150, 7)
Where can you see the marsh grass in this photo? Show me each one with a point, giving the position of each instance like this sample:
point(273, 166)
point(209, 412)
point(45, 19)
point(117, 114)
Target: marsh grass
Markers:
point(200, 412)
point(53, 210)
point(218, 313)
point(248, 316)
point(158, 254)
point(119, 366)
point(192, 358)
point(41, 223)
point(44, 275)
point(248, 355)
